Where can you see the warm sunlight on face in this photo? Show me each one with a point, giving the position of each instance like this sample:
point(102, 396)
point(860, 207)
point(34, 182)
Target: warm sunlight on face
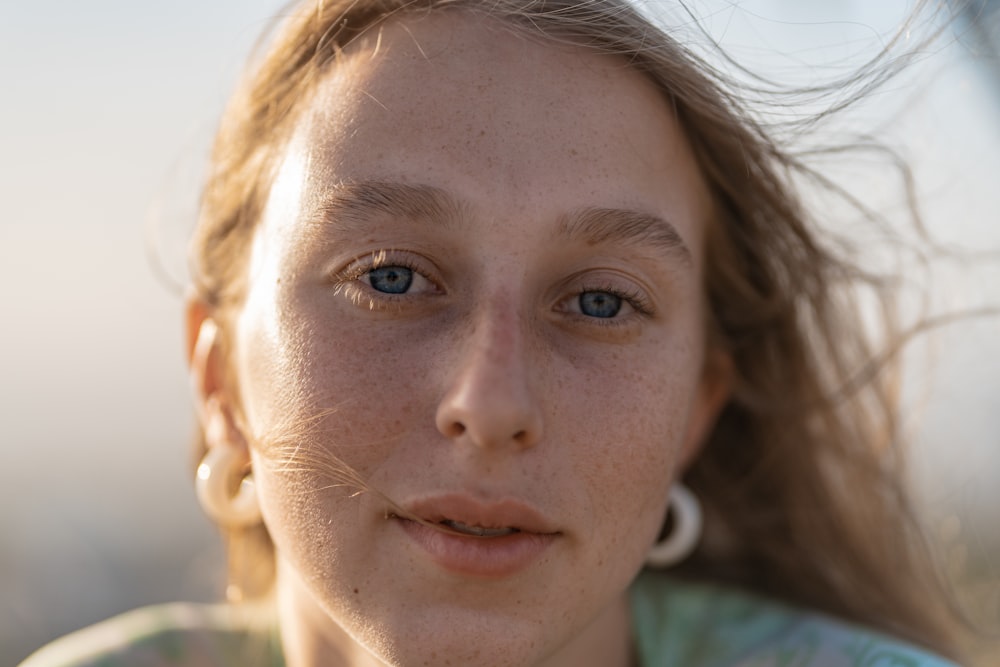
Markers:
point(478, 284)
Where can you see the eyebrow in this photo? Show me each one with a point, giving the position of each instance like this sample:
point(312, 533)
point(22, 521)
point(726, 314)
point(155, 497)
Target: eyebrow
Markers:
point(595, 226)
point(349, 205)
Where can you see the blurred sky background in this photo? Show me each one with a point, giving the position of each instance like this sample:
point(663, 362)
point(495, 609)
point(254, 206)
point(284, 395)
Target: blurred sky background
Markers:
point(108, 108)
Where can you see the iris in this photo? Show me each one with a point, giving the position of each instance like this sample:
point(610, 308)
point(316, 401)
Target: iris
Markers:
point(391, 279)
point(600, 304)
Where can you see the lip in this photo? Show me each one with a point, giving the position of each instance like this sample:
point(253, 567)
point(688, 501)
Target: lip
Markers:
point(482, 557)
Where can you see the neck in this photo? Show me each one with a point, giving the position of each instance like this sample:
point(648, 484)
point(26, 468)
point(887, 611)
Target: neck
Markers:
point(606, 642)
point(311, 638)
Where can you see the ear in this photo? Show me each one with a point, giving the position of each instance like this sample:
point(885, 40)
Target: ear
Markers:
point(224, 487)
point(202, 346)
point(714, 390)
point(208, 378)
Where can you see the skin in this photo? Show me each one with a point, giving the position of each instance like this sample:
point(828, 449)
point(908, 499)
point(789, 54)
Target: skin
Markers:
point(490, 377)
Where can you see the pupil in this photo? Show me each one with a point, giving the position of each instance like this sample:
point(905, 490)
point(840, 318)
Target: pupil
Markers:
point(391, 279)
point(600, 304)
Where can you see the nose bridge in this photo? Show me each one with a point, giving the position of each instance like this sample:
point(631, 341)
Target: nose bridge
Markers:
point(497, 336)
point(490, 399)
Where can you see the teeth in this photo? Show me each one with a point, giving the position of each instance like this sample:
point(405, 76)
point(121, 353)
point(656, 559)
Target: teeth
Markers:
point(477, 530)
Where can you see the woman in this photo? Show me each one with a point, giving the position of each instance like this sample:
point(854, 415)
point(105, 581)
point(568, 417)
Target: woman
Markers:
point(494, 305)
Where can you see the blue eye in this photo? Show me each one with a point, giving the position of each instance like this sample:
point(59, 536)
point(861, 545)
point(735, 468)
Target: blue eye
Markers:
point(600, 304)
point(391, 279)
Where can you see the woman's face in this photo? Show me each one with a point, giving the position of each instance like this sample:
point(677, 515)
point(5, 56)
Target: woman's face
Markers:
point(476, 285)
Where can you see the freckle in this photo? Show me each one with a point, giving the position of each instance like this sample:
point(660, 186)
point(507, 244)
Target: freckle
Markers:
point(356, 591)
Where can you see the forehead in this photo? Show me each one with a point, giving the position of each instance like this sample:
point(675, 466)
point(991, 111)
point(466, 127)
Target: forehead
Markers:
point(479, 109)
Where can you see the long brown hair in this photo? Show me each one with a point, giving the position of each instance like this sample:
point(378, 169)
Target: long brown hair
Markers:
point(801, 476)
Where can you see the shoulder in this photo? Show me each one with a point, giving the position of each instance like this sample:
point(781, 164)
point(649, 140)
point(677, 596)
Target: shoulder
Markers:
point(708, 625)
point(172, 634)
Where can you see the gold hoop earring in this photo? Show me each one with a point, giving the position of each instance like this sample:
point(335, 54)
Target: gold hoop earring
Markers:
point(214, 486)
point(685, 510)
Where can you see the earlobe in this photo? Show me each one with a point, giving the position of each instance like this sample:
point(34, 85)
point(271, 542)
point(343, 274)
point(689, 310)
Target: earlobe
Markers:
point(224, 483)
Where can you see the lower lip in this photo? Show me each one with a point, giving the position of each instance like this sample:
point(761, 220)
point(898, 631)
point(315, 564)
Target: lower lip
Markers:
point(488, 557)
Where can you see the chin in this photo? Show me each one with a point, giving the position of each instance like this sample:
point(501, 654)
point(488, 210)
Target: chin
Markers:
point(398, 628)
point(478, 640)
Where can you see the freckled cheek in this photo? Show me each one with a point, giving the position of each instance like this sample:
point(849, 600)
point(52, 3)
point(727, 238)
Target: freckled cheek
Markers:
point(357, 389)
point(627, 431)
point(347, 401)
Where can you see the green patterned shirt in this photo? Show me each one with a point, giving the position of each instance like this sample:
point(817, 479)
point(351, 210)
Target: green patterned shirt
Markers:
point(684, 624)
point(676, 624)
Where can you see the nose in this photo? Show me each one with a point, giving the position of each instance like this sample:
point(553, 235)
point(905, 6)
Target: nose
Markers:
point(490, 402)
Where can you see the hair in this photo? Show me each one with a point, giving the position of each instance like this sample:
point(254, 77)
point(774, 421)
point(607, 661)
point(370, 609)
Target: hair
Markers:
point(801, 477)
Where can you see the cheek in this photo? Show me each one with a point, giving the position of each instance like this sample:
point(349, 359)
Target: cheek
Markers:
point(328, 406)
point(334, 403)
point(627, 434)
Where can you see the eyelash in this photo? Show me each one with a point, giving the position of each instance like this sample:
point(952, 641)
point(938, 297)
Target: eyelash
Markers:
point(348, 281)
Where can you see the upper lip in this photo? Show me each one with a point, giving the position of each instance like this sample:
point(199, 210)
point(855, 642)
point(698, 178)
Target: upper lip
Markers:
point(471, 511)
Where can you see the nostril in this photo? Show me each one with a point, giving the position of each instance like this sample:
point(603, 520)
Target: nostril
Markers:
point(457, 429)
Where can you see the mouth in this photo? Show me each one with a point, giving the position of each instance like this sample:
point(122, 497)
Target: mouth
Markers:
point(469, 537)
point(477, 531)
point(455, 527)
point(465, 515)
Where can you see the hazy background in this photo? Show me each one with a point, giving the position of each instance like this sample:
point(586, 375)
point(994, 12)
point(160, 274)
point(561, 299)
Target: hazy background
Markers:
point(106, 112)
